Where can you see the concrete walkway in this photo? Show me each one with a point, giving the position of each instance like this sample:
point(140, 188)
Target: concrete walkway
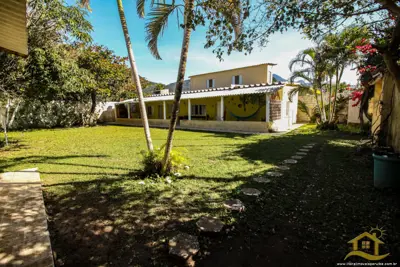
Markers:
point(24, 239)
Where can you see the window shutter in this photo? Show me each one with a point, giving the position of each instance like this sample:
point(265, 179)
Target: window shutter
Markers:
point(213, 83)
point(233, 80)
point(206, 83)
point(240, 79)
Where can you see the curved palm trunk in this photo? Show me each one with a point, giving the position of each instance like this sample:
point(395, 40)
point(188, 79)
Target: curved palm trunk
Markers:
point(135, 76)
point(180, 79)
point(330, 100)
point(338, 78)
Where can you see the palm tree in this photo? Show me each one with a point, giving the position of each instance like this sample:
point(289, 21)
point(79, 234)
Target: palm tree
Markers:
point(135, 75)
point(338, 49)
point(155, 28)
point(313, 71)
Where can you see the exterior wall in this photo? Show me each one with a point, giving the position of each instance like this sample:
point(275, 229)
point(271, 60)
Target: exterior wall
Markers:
point(250, 75)
point(245, 108)
point(106, 111)
point(310, 102)
point(375, 106)
point(353, 113)
point(390, 112)
point(242, 126)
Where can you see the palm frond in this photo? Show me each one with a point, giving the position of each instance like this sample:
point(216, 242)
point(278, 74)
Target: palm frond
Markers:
point(302, 106)
point(85, 4)
point(301, 75)
point(140, 7)
point(156, 25)
point(301, 90)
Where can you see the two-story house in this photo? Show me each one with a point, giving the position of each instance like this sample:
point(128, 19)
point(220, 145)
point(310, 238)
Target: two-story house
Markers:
point(241, 100)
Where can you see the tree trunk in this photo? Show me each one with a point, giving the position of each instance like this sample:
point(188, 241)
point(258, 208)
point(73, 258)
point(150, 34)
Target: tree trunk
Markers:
point(323, 113)
point(135, 76)
point(316, 99)
point(189, 5)
point(393, 68)
point(339, 75)
point(14, 114)
point(93, 98)
point(6, 121)
point(330, 100)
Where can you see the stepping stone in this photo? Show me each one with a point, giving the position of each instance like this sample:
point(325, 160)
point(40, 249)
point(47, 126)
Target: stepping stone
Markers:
point(274, 174)
point(283, 168)
point(251, 191)
point(209, 224)
point(307, 147)
point(261, 180)
point(290, 161)
point(234, 204)
point(297, 157)
point(301, 153)
point(312, 144)
point(183, 245)
point(303, 150)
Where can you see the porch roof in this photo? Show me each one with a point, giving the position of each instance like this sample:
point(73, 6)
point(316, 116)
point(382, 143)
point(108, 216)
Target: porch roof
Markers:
point(215, 92)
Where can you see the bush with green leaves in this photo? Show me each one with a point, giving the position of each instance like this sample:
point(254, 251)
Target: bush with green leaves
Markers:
point(152, 162)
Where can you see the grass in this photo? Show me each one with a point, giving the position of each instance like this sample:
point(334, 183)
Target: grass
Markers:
point(99, 214)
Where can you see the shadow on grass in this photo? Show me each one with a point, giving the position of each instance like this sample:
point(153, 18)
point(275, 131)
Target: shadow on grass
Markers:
point(307, 216)
point(121, 222)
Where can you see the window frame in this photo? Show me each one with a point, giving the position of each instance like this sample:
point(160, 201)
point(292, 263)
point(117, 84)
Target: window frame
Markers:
point(212, 83)
point(240, 79)
point(199, 110)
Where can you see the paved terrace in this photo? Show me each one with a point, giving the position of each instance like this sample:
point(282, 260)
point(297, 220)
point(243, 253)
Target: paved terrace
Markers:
point(24, 239)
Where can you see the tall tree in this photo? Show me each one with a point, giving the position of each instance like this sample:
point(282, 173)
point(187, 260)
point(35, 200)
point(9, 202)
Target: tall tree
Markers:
point(340, 52)
point(219, 12)
point(317, 18)
point(135, 74)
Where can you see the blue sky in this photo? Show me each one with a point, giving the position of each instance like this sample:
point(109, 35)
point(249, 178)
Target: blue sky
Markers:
point(107, 31)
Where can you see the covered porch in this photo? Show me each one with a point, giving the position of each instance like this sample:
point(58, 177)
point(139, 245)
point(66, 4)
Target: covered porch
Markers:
point(246, 109)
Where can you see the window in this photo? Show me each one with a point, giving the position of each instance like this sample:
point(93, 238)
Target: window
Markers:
point(365, 244)
point(237, 79)
point(149, 110)
point(198, 110)
point(210, 83)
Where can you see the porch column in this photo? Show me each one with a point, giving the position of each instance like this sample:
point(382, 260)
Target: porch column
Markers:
point(115, 111)
point(129, 110)
point(164, 110)
point(222, 108)
point(189, 110)
point(267, 108)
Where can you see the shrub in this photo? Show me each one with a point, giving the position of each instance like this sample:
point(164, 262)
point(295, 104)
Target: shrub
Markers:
point(152, 162)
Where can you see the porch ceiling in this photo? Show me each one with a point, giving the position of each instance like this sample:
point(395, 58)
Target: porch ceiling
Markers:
point(13, 32)
point(216, 92)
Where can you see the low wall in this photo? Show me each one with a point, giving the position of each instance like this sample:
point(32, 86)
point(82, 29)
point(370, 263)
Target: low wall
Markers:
point(138, 122)
point(237, 126)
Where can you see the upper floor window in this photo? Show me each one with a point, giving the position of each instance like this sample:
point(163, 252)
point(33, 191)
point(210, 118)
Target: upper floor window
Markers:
point(237, 79)
point(210, 83)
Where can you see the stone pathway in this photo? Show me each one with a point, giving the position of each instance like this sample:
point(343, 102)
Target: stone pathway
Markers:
point(184, 245)
point(24, 238)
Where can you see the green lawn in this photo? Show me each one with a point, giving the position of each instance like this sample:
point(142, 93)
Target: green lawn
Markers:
point(99, 214)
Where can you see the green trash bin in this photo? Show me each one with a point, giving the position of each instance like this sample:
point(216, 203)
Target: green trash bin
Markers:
point(386, 171)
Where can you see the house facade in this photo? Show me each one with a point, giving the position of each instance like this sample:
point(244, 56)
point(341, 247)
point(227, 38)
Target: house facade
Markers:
point(255, 74)
point(249, 104)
